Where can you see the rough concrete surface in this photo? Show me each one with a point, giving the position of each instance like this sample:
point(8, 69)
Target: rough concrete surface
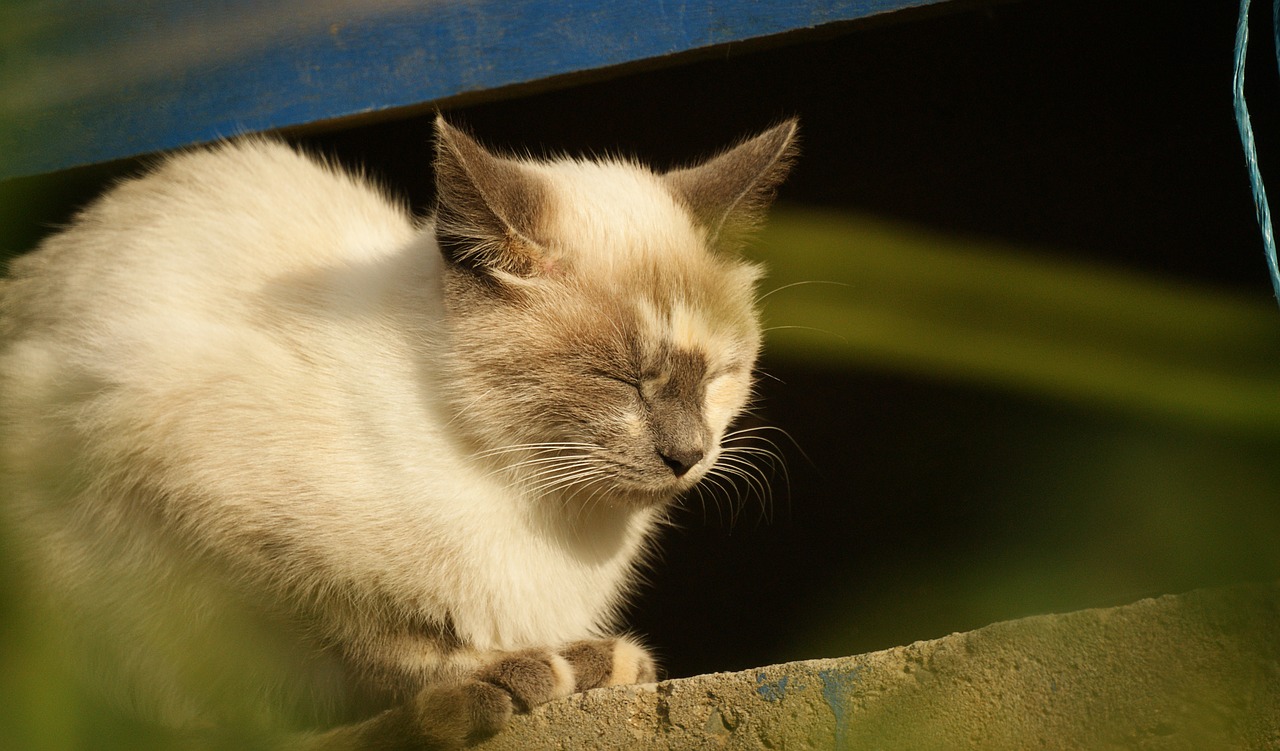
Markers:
point(1194, 671)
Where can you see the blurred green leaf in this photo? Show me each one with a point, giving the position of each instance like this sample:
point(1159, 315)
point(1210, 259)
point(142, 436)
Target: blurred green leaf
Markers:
point(852, 289)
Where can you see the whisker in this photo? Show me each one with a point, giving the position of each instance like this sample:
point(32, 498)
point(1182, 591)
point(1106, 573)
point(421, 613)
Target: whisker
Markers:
point(549, 446)
point(747, 460)
point(701, 490)
point(766, 428)
point(566, 478)
point(519, 468)
point(753, 484)
point(748, 471)
point(841, 337)
point(714, 479)
point(776, 290)
point(552, 476)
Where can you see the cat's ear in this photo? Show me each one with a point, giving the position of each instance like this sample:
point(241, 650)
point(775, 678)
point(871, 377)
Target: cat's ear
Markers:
point(729, 193)
point(488, 208)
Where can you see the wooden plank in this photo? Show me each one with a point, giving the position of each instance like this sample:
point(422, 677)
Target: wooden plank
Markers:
point(85, 82)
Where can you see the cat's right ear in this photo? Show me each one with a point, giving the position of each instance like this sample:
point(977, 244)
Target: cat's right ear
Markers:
point(488, 209)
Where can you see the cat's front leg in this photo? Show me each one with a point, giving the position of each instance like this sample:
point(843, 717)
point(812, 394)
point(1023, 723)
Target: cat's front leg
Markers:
point(532, 677)
point(455, 714)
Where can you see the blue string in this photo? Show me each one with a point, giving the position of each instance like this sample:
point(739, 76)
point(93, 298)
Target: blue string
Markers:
point(1246, 138)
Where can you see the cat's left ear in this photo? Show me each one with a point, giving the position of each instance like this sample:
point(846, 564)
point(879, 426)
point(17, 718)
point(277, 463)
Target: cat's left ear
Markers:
point(729, 193)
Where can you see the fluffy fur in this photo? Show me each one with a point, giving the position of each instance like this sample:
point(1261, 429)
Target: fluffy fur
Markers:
point(268, 439)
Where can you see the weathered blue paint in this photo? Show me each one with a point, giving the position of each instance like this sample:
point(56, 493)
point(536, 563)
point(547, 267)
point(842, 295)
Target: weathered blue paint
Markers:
point(837, 690)
point(773, 690)
point(89, 82)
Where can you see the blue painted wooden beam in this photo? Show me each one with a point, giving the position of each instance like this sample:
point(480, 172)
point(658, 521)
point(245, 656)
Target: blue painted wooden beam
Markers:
point(86, 82)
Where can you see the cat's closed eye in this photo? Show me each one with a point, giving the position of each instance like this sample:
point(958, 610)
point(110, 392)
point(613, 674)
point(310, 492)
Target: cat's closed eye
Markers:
point(617, 377)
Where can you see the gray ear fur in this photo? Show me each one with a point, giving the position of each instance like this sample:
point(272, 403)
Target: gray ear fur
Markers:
point(729, 193)
point(488, 208)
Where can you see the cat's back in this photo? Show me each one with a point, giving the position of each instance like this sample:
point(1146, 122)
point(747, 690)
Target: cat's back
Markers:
point(216, 274)
point(201, 231)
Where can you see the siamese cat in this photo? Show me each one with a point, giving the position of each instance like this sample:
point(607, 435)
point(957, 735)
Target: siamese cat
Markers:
point(272, 447)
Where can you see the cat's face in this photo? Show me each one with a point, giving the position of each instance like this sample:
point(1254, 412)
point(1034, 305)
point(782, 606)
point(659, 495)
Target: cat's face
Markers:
point(622, 390)
point(603, 340)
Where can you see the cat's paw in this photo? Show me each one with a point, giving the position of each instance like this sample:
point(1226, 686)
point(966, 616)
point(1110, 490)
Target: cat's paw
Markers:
point(609, 662)
point(455, 715)
point(450, 716)
point(531, 677)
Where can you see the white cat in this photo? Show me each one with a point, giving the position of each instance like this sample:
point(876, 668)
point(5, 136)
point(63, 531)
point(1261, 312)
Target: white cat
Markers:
point(269, 442)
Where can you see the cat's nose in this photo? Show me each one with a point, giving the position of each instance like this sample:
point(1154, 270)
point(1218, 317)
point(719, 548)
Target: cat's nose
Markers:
point(682, 460)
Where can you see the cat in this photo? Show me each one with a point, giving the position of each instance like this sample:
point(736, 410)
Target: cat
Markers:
point(267, 441)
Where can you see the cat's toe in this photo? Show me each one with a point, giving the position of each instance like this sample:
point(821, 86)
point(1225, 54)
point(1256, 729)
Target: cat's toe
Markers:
point(531, 677)
point(609, 662)
point(631, 664)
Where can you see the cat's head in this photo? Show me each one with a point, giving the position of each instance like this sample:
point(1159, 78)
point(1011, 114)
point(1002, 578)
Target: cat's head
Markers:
point(603, 327)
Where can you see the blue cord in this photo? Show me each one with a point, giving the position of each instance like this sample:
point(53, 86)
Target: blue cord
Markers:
point(1246, 138)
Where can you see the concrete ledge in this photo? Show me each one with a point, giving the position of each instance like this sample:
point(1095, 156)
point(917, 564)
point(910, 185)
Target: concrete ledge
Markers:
point(1193, 671)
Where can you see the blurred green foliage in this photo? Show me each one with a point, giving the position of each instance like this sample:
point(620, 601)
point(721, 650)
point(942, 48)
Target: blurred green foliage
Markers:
point(868, 291)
